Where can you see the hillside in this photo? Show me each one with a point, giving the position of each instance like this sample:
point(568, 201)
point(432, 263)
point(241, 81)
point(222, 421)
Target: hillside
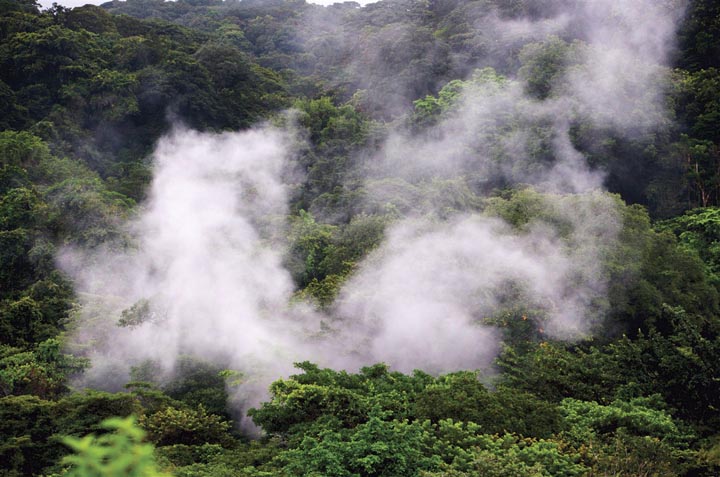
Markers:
point(413, 237)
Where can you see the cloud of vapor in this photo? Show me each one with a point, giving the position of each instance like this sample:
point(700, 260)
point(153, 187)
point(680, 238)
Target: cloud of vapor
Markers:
point(425, 290)
point(390, 49)
point(613, 79)
point(202, 259)
point(205, 270)
point(497, 135)
point(431, 279)
point(623, 78)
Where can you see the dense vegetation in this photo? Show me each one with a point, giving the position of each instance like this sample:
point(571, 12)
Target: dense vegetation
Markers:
point(85, 93)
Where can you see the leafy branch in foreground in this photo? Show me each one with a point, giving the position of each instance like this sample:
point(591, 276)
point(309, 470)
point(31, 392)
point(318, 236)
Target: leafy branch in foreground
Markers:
point(120, 453)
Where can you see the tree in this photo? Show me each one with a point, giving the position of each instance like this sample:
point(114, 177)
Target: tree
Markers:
point(309, 242)
point(699, 231)
point(376, 448)
point(543, 65)
point(185, 426)
point(43, 372)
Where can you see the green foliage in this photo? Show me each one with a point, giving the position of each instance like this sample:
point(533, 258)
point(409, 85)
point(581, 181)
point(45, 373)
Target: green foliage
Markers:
point(119, 453)
point(34, 298)
point(473, 453)
point(462, 397)
point(80, 413)
point(321, 256)
point(555, 370)
point(678, 361)
point(699, 35)
point(322, 293)
point(211, 460)
point(375, 448)
point(699, 104)
point(189, 409)
point(327, 123)
point(22, 323)
point(43, 372)
point(136, 315)
point(31, 427)
point(185, 426)
point(543, 65)
point(296, 403)
point(645, 268)
point(699, 231)
point(429, 110)
point(84, 95)
point(310, 242)
point(25, 429)
point(587, 421)
point(383, 447)
point(333, 434)
point(21, 149)
point(199, 383)
point(634, 437)
point(86, 212)
point(675, 361)
point(346, 398)
point(335, 134)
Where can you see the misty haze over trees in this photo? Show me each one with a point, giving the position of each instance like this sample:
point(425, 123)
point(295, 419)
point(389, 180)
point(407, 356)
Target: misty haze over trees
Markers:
point(408, 238)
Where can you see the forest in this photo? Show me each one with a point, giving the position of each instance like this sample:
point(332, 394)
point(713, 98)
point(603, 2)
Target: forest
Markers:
point(434, 238)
